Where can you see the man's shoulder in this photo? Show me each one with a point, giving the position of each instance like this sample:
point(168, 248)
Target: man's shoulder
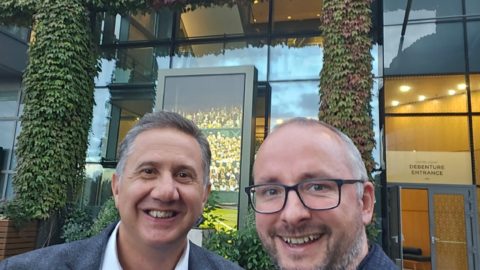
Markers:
point(377, 259)
point(81, 254)
point(201, 258)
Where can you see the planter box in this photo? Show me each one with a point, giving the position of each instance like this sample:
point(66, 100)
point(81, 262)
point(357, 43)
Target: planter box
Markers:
point(15, 240)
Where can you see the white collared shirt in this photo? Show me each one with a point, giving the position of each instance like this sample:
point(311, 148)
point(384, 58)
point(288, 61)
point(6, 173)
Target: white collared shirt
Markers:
point(110, 256)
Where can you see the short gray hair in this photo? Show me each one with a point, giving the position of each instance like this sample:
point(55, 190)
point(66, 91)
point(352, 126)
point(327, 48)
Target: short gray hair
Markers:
point(354, 155)
point(163, 119)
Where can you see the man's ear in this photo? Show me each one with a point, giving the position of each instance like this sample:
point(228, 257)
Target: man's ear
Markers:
point(115, 187)
point(368, 202)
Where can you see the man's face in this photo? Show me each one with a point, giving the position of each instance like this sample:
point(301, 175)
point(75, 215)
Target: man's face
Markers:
point(299, 238)
point(161, 193)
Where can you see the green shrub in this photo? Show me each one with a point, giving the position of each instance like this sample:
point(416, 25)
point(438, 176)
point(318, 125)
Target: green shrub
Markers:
point(79, 223)
point(243, 247)
point(107, 215)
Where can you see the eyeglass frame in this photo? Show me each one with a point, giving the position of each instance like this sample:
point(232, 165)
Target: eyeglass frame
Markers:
point(287, 188)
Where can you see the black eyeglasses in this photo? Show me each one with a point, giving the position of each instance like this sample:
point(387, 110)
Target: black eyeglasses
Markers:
point(315, 194)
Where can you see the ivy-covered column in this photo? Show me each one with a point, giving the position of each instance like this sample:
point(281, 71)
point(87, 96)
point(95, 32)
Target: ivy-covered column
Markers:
point(57, 109)
point(346, 79)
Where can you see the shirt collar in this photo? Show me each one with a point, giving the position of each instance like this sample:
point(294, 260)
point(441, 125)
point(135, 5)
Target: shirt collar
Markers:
point(110, 256)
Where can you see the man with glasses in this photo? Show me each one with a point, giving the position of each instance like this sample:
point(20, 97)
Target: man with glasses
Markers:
point(312, 200)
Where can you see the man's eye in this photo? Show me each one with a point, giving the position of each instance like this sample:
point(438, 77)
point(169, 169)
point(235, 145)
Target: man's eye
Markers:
point(148, 171)
point(270, 191)
point(182, 174)
point(316, 187)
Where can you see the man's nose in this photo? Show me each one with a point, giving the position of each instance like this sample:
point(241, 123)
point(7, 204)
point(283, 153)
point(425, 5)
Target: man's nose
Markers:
point(165, 189)
point(294, 210)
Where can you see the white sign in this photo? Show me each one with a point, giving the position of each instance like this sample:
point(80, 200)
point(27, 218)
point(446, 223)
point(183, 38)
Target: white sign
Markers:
point(429, 167)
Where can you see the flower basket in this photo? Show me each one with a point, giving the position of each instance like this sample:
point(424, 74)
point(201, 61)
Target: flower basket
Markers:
point(15, 240)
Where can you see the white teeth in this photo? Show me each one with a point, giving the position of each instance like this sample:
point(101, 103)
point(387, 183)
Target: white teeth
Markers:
point(300, 240)
point(160, 214)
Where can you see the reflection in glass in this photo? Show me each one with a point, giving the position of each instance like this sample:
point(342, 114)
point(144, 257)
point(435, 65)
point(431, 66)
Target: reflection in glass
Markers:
point(428, 48)
point(472, 7)
point(293, 16)
point(8, 102)
point(223, 20)
point(394, 11)
point(6, 141)
point(141, 26)
point(252, 52)
point(425, 94)
point(475, 92)
point(296, 58)
point(97, 185)
point(294, 99)
point(476, 145)
point(99, 129)
point(473, 35)
point(138, 65)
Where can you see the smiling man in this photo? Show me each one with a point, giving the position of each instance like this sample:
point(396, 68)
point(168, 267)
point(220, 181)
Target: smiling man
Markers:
point(312, 200)
point(160, 187)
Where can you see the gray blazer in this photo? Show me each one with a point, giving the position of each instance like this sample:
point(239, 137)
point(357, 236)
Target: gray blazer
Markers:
point(87, 254)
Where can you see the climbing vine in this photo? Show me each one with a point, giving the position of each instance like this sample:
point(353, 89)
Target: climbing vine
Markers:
point(346, 80)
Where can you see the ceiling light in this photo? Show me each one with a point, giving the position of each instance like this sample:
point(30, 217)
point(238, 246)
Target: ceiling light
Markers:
point(395, 103)
point(462, 86)
point(452, 92)
point(279, 121)
point(255, 2)
point(289, 17)
point(421, 98)
point(404, 88)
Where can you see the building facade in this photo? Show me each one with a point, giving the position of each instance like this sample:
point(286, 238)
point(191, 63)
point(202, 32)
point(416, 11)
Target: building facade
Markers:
point(426, 105)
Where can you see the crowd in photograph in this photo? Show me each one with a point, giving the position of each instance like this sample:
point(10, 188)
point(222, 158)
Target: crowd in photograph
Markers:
point(225, 117)
point(222, 127)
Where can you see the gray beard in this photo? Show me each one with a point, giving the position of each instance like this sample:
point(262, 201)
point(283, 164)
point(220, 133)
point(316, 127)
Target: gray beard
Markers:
point(335, 259)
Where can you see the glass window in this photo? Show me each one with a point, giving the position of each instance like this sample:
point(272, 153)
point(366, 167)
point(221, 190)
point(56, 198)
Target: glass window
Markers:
point(293, 16)
point(97, 141)
point(476, 145)
point(429, 48)
point(296, 58)
point(472, 6)
point(473, 34)
point(104, 77)
point(431, 149)
point(139, 65)
point(394, 11)
point(294, 99)
point(377, 85)
point(224, 20)
point(6, 141)
point(425, 94)
point(251, 52)
point(475, 92)
point(19, 32)
point(142, 26)
point(8, 102)
point(6, 187)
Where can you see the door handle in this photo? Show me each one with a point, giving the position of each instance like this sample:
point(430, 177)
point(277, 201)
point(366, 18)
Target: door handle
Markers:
point(395, 238)
point(435, 239)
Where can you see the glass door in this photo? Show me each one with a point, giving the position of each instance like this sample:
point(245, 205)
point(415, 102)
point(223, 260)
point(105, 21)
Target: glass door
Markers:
point(451, 218)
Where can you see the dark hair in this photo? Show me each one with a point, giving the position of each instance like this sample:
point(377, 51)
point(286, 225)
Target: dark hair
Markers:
point(163, 119)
